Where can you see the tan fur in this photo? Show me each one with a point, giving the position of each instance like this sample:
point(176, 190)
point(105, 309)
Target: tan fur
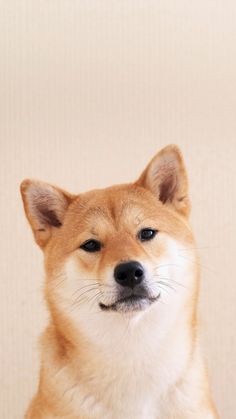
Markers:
point(134, 365)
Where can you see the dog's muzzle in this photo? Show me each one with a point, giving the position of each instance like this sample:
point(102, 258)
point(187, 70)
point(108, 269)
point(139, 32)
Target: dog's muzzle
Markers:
point(133, 295)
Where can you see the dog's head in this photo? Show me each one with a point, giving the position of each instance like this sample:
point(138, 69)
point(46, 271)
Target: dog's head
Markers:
point(124, 250)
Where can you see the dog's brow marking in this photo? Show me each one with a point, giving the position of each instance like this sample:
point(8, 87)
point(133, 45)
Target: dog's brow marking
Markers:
point(90, 217)
point(137, 221)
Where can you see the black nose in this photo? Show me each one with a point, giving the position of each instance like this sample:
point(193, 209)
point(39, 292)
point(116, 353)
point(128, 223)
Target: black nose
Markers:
point(129, 274)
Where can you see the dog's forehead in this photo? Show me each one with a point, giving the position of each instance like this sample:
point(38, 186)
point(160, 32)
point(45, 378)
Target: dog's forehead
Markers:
point(114, 205)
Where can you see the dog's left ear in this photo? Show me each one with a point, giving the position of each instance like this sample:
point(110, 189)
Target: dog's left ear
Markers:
point(166, 178)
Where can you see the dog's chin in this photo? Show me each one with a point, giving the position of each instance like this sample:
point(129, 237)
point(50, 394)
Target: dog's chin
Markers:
point(129, 304)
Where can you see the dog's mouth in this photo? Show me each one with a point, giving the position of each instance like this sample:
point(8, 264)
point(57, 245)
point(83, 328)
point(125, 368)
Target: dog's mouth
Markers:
point(130, 303)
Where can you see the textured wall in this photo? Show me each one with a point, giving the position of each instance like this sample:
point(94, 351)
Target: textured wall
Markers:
point(90, 90)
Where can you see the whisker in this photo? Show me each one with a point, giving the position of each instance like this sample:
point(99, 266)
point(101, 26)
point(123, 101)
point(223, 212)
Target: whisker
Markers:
point(94, 297)
point(170, 279)
point(87, 301)
point(197, 263)
point(57, 284)
point(163, 288)
point(166, 265)
point(78, 299)
point(167, 285)
point(85, 286)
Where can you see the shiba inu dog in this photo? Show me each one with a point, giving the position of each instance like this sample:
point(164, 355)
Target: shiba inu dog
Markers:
point(122, 342)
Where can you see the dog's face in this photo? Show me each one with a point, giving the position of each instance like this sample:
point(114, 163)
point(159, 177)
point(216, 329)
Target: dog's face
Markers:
point(116, 250)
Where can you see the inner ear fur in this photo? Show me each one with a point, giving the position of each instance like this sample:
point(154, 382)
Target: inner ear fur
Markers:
point(166, 177)
point(45, 207)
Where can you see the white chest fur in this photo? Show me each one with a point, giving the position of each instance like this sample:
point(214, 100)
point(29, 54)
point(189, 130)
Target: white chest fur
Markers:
point(131, 372)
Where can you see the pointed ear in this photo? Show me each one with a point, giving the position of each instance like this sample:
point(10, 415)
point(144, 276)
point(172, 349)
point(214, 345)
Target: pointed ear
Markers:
point(45, 207)
point(166, 177)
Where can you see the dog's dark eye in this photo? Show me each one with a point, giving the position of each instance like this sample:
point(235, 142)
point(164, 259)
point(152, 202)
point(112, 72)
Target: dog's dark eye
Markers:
point(146, 234)
point(91, 246)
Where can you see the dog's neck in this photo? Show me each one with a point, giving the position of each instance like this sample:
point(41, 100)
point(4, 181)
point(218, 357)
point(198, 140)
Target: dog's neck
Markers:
point(154, 361)
point(123, 339)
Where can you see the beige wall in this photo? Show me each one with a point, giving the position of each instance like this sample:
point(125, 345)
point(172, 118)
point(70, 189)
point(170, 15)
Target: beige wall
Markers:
point(90, 90)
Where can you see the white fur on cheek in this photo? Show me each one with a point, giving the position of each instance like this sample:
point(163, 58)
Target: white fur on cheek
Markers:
point(173, 273)
point(78, 288)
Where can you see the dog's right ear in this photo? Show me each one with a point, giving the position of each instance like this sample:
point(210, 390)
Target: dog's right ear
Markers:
point(45, 207)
